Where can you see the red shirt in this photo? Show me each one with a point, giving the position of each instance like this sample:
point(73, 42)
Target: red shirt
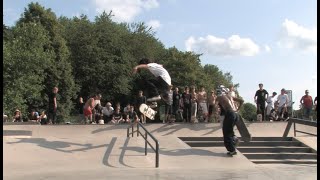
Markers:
point(307, 101)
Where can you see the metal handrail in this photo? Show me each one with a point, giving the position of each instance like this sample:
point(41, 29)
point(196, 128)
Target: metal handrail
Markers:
point(298, 121)
point(145, 137)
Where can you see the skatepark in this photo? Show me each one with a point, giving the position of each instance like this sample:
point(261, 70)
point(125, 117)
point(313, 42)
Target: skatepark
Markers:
point(186, 151)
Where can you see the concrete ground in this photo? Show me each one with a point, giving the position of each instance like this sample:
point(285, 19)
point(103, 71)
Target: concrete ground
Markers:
point(104, 152)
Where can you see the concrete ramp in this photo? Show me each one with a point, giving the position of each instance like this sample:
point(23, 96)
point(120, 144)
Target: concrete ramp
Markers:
point(81, 152)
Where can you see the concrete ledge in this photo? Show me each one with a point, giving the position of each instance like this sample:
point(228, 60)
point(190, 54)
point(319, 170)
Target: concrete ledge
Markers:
point(20, 123)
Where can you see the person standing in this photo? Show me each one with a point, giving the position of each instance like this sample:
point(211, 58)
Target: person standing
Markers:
point(168, 106)
point(88, 109)
point(81, 104)
point(194, 104)
point(202, 101)
point(52, 112)
point(141, 99)
point(96, 111)
point(176, 102)
point(186, 99)
point(307, 104)
point(282, 102)
point(260, 99)
point(212, 107)
point(270, 104)
point(230, 111)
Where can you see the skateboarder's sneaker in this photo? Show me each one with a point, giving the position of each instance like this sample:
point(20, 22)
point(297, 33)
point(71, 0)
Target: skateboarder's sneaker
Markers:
point(153, 105)
point(236, 142)
point(232, 153)
point(155, 98)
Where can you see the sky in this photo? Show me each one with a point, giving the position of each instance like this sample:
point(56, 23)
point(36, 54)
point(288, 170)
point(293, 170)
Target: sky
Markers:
point(272, 42)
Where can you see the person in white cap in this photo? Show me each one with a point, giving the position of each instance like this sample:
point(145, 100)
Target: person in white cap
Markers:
point(230, 111)
point(107, 112)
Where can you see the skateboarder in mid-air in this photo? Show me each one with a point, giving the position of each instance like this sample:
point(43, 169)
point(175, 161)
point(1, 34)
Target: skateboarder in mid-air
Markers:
point(156, 87)
point(230, 111)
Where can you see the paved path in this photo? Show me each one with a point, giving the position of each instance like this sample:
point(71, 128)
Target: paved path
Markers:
point(82, 152)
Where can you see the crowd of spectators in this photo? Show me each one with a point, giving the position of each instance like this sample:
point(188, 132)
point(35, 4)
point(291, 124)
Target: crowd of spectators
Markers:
point(277, 108)
point(190, 106)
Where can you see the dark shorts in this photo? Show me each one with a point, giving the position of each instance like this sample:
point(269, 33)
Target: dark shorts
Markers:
point(168, 109)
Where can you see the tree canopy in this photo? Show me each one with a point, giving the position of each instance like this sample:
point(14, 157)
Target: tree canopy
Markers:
point(82, 58)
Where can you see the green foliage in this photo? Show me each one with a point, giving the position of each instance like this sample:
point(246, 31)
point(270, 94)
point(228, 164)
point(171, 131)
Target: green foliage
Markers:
point(248, 111)
point(56, 71)
point(83, 58)
point(24, 64)
point(184, 68)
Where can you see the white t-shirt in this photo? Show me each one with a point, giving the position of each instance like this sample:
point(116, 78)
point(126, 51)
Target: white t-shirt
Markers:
point(107, 112)
point(158, 70)
point(283, 99)
point(270, 101)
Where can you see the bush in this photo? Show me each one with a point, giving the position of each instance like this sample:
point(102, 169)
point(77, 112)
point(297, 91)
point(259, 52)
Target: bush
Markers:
point(248, 111)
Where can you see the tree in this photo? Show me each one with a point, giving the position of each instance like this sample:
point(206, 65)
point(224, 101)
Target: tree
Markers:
point(184, 67)
point(24, 64)
point(7, 34)
point(59, 69)
point(83, 57)
point(248, 111)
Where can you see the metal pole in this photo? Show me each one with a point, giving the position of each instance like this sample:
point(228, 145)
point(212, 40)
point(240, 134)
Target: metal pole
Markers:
point(157, 154)
point(145, 144)
point(127, 132)
point(132, 130)
point(294, 129)
point(137, 129)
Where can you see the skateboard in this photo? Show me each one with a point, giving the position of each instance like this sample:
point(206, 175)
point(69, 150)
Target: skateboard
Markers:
point(243, 130)
point(147, 111)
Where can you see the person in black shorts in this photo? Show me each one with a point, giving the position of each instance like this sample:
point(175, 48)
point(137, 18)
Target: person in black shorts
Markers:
point(260, 99)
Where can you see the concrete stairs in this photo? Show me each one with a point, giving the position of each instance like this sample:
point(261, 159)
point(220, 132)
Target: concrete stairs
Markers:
point(264, 150)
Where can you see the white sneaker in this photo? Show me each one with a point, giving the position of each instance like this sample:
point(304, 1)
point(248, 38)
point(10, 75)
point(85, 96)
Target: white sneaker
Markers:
point(156, 98)
point(154, 105)
point(93, 122)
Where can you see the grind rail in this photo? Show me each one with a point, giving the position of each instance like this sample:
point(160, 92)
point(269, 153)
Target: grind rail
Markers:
point(145, 137)
point(295, 121)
